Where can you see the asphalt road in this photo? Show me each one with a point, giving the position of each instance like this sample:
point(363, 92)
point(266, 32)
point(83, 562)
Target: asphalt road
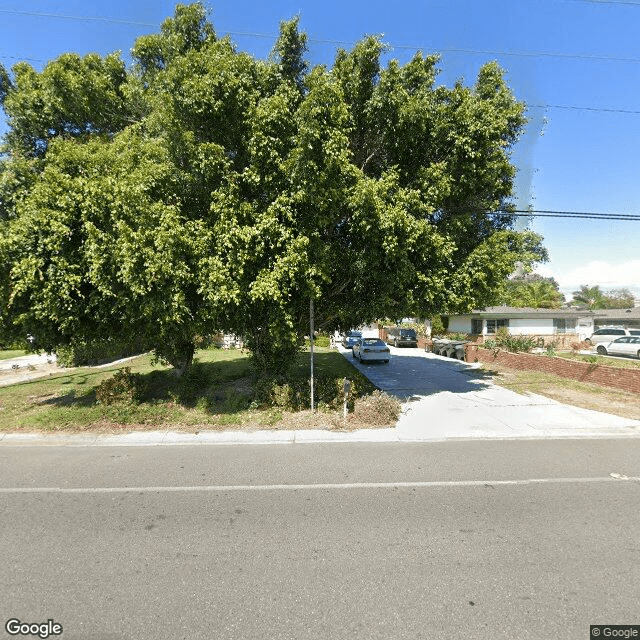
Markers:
point(486, 539)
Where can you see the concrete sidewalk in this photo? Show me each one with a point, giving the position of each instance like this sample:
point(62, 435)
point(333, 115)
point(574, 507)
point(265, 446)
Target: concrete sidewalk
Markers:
point(443, 399)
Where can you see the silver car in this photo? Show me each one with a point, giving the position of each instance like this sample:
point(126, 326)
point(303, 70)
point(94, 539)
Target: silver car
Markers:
point(625, 346)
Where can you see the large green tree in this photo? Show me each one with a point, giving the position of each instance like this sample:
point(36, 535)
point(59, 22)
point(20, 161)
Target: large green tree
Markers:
point(204, 189)
point(533, 291)
point(592, 297)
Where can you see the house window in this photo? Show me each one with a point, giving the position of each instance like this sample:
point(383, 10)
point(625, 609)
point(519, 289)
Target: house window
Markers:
point(476, 326)
point(562, 325)
point(494, 325)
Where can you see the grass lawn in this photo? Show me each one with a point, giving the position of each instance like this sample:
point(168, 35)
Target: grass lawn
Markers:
point(218, 393)
point(622, 363)
point(5, 354)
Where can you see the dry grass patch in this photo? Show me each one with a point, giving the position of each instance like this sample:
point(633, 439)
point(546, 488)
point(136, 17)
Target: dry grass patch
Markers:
point(218, 393)
point(572, 392)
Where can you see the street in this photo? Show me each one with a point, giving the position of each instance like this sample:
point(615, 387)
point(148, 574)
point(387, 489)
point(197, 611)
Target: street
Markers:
point(474, 539)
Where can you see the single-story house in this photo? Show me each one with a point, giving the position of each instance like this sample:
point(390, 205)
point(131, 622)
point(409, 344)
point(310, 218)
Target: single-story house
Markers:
point(627, 318)
point(548, 324)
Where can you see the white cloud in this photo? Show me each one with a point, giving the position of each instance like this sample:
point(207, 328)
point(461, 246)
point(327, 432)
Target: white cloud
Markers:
point(598, 272)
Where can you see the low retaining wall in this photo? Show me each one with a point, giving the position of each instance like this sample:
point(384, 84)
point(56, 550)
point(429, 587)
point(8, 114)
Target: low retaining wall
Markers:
point(625, 379)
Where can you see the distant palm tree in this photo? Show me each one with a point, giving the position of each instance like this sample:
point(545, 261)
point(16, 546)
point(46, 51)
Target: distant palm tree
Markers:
point(538, 294)
point(589, 297)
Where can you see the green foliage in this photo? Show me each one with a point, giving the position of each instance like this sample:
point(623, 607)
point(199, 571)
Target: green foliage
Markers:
point(589, 297)
point(437, 327)
point(490, 343)
point(538, 293)
point(318, 341)
point(205, 190)
point(619, 299)
point(456, 335)
point(294, 394)
point(515, 344)
point(593, 298)
point(123, 387)
point(98, 351)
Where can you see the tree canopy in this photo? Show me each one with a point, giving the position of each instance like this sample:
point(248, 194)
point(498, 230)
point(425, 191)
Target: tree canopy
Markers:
point(592, 297)
point(532, 290)
point(204, 189)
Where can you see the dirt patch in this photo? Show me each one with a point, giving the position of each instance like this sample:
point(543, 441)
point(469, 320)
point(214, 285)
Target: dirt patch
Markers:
point(272, 421)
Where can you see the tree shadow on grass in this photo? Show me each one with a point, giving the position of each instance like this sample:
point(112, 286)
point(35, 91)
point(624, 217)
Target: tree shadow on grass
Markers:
point(71, 399)
point(214, 387)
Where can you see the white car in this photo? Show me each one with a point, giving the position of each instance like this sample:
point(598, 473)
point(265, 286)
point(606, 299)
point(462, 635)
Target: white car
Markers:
point(625, 346)
point(607, 334)
point(370, 350)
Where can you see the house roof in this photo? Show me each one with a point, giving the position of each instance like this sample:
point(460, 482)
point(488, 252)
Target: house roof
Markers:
point(525, 312)
point(618, 314)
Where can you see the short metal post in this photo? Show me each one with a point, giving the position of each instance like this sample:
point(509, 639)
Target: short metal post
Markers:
point(311, 342)
point(347, 389)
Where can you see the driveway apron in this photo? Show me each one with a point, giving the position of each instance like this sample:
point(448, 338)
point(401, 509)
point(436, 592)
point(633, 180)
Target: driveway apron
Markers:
point(446, 398)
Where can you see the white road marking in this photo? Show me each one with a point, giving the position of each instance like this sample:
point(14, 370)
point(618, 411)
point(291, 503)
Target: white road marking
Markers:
point(320, 486)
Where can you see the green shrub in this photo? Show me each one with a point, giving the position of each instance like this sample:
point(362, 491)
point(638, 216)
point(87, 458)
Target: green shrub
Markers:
point(437, 326)
point(457, 335)
point(123, 386)
point(295, 394)
point(517, 344)
point(319, 341)
point(83, 352)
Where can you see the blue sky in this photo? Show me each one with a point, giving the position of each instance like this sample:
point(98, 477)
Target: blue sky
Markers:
point(576, 63)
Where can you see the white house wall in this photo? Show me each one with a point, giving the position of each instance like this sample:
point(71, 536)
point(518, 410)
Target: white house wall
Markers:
point(525, 326)
point(584, 328)
point(531, 326)
point(460, 324)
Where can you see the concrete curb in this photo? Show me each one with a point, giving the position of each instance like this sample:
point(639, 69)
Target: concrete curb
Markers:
point(309, 436)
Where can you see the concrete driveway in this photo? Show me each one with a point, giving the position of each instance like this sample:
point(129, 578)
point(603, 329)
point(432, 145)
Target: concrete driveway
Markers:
point(445, 398)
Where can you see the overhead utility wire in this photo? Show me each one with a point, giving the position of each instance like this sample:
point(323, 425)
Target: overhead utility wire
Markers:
point(340, 42)
point(61, 16)
point(576, 108)
point(621, 2)
point(545, 213)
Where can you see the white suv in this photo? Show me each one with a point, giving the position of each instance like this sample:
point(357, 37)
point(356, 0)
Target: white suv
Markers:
point(607, 334)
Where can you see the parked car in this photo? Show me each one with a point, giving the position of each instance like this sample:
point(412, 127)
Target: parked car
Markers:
point(402, 337)
point(607, 334)
point(350, 338)
point(625, 346)
point(370, 349)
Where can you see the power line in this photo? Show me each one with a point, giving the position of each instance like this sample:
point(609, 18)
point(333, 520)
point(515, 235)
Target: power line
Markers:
point(40, 14)
point(620, 2)
point(545, 213)
point(251, 34)
point(577, 108)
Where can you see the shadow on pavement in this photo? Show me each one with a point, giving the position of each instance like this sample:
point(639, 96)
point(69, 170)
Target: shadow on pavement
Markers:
point(409, 376)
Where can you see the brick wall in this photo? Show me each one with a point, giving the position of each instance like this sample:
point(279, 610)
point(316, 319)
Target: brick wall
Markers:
point(558, 340)
point(625, 379)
